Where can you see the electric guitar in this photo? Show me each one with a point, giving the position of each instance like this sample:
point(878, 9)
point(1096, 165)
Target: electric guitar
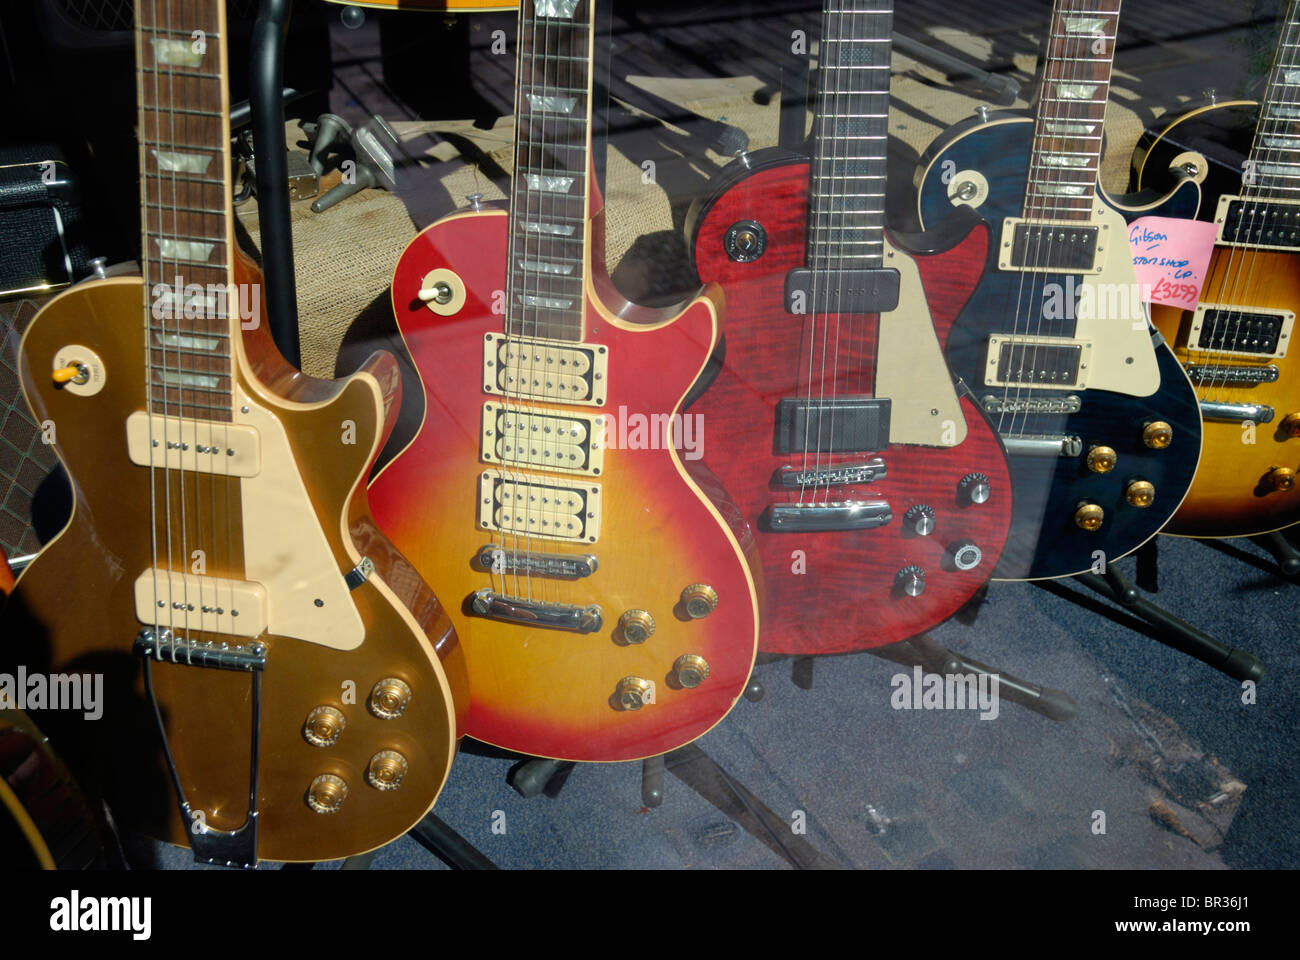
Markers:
point(266, 655)
point(1236, 344)
point(1098, 418)
point(604, 603)
point(878, 492)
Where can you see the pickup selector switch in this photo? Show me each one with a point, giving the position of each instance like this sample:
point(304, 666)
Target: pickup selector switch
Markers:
point(920, 519)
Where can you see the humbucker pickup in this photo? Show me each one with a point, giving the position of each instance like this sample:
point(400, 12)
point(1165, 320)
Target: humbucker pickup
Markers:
point(1274, 224)
point(184, 601)
point(1226, 329)
point(861, 290)
point(539, 507)
point(1048, 363)
point(839, 425)
point(1043, 247)
point(201, 446)
point(840, 475)
point(557, 566)
point(815, 517)
point(569, 442)
point(545, 369)
point(535, 613)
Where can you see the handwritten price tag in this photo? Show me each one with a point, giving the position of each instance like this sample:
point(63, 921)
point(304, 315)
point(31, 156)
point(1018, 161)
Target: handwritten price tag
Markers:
point(1171, 257)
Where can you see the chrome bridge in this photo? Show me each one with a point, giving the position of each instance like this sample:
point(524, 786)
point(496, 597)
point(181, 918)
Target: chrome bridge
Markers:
point(1237, 412)
point(1042, 445)
point(558, 566)
point(1219, 373)
point(534, 613)
point(844, 474)
point(822, 517)
point(1059, 405)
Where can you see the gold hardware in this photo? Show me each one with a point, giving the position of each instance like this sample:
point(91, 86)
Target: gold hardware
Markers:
point(327, 793)
point(1089, 516)
point(1140, 493)
point(1279, 479)
point(386, 770)
point(636, 625)
point(389, 698)
point(690, 670)
point(1291, 425)
point(700, 600)
point(323, 726)
point(633, 693)
point(1101, 459)
point(1157, 434)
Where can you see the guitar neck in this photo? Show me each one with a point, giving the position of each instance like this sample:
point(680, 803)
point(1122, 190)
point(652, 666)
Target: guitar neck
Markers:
point(1273, 167)
point(185, 196)
point(847, 206)
point(550, 190)
point(1066, 153)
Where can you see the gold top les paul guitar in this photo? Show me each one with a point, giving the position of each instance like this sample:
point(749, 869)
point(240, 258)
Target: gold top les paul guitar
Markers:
point(221, 570)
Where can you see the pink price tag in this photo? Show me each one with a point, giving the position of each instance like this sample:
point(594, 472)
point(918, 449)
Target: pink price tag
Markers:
point(1171, 257)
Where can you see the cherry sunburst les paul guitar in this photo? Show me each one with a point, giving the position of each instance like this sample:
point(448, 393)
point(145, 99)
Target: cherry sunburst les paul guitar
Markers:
point(602, 596)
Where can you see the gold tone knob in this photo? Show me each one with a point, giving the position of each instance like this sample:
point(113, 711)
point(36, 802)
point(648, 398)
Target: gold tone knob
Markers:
point(323, 726)
point(1291, 425)
point(690, 670)
point(636, 625)
point(1157, 434)
point(389, 698)
point(700, 600)
point(1101, 459)
point(327, 793)
point(1140, 493)
point(633, 693)
point(1089, 516)
point(1279, 479)
point(387, 767)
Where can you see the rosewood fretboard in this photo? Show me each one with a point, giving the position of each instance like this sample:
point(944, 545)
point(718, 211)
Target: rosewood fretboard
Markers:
point(548, 203)
point(185, 196)
point(1273, 168)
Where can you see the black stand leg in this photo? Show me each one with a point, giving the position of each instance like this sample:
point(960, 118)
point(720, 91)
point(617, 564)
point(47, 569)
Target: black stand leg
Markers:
point(1172, 631)
point(931, 655)
point(449, 846)
point(1283, 550)
point(652, 781)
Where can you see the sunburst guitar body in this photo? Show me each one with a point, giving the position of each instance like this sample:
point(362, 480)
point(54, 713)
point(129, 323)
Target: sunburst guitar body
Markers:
point(1238, 343)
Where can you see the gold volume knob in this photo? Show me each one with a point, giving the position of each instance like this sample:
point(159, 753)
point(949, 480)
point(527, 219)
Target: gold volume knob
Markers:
point(1140, 493)
point(1291, 425)
point(1088, 516)
point(1101, 459)
point(323, 726)
point(636, 626)
point(327, 793)
point(1157, 434)
point(1279, 479)
point(700, 600)
point(387, 767)
point(389, 698)
point(633, 693)
point(690, 670)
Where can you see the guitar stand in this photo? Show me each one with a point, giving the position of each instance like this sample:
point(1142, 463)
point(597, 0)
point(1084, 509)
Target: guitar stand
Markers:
point(1166, 628)
point(1282, 549)
point(931, 656)
point(535, 776)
